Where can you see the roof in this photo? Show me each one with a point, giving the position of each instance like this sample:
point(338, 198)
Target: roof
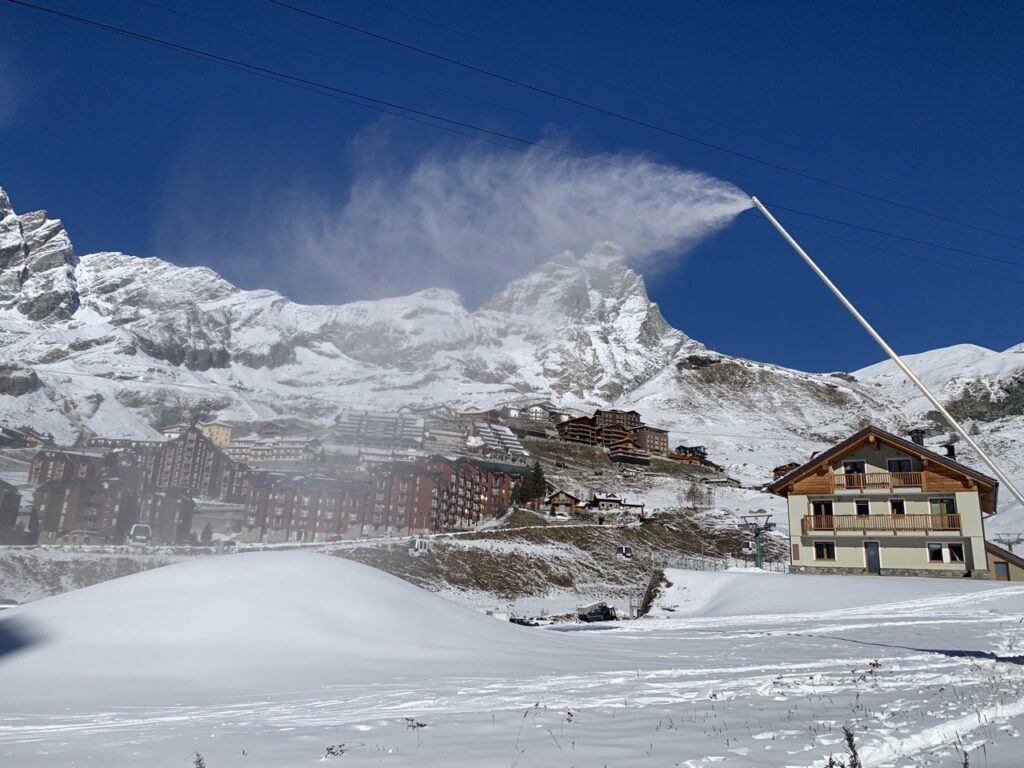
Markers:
point(895, 441)
point(1004, 554)
point(560, 491)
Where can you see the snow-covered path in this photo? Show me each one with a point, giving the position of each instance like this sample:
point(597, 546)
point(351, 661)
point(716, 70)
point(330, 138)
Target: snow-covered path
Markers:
point(708, 681)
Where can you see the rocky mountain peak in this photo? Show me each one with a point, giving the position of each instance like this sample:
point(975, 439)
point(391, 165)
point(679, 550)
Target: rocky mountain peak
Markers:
point(37, 265)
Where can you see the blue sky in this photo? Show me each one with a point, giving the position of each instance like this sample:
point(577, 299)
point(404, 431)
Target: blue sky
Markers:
point(146, 151)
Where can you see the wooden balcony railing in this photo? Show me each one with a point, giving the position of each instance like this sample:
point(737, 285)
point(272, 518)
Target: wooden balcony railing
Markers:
point(876, 481)
point(866, 523)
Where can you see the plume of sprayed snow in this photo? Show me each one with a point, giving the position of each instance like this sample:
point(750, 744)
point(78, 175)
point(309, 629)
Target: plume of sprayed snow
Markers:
point(471, 220)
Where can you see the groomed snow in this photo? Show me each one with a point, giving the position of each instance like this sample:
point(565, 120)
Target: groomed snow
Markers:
point(267, 659)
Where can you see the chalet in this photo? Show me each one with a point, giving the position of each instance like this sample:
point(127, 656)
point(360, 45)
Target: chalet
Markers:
point(1004, 565)
point(612, 502)
point(562, 503)
point(784, 469)
point(36, 439)
point(876, 503)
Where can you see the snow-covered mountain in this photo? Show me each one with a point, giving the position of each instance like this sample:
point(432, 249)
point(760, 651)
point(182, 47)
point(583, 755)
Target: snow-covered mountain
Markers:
point(118, 345)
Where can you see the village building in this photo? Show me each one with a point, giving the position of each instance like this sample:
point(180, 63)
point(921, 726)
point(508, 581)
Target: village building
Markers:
point(578, 430)
point(1004, 565)
point(191, 462)
point(562, 503)
point(628, 452)
point(216, 432)
point(628, 419)
point(784, 469)
point(404, 499)
point(612, 502)
point(473, 490)
point(276, 450)
point(499, 442)
point(51, 464)
point(651, 439)
point(10, 504)
point(283, 506)
point(84, 510)
point(877, 503)
point(379, 429)
point(123, 443)
point(168, 513)
point(23, 437)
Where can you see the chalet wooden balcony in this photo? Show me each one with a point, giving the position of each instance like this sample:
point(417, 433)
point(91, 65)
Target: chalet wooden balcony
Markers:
point(877, 481)
point(880, 523)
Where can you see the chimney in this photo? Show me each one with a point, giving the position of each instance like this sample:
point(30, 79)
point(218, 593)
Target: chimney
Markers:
point(917, 435)
point(950, 451)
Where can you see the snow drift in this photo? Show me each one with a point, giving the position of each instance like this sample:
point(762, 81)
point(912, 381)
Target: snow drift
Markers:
point(252, 625)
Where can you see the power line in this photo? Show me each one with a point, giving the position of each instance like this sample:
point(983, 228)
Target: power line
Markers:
point(905, 255)
point(605, 83)
point(636, 121)
point(351, 97)
point(898, 237)
point(415, 115)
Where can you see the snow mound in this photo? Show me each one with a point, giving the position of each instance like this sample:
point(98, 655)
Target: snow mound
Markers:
point(251, 624)
point(698, 594)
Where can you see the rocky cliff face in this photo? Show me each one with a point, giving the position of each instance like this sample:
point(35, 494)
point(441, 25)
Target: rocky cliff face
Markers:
point(37, 265)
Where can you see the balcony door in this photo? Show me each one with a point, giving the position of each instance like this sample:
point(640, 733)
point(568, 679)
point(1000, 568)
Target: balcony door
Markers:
point(855, 474)
point(822, 511)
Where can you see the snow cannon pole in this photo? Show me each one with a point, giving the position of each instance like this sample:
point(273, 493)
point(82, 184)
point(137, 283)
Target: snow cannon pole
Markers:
point(891, 353)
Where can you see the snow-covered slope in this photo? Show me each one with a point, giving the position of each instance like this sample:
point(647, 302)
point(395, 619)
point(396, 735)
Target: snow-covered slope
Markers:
point(268, 659)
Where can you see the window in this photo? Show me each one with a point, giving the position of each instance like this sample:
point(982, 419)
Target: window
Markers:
point(956, 553)
point(898, 506)
point(863, 507)
point(824, 550)
point(796, 552)
point(1002, 571)
point(934, 553)
point(853, 467)
point(944, 506)
point(900, 465)
point(821, 508)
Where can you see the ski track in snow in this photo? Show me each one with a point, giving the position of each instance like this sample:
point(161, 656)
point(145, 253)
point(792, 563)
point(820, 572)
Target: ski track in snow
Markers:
point(771, 689)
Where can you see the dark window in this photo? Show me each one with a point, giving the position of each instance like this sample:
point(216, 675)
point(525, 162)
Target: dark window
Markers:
point(945, 506)
point(863, 507)
point(935, 553)
point(900, 465)
point(853, 467)
point(820, 508)
point(956, 553)
point(1002, 571)
point(898, 506)
point(824, 550)
point(796, 552)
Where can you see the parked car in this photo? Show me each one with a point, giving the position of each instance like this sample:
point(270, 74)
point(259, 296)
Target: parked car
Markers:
point(597, 612)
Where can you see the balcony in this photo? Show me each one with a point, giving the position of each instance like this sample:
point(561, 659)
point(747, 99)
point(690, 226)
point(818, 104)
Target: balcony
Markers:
point(880, 523)
point(876, 481)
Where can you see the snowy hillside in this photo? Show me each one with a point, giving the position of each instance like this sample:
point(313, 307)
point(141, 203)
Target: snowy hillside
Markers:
point(117, 345)
point(269, 659)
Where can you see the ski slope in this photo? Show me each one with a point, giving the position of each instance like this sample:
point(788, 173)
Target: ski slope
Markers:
point(267, 659)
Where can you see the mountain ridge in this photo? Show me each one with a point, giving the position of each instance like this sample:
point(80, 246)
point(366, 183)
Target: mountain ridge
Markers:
point(113, 344)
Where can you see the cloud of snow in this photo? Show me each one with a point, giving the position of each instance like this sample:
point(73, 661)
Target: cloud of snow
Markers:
point(467, 218)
